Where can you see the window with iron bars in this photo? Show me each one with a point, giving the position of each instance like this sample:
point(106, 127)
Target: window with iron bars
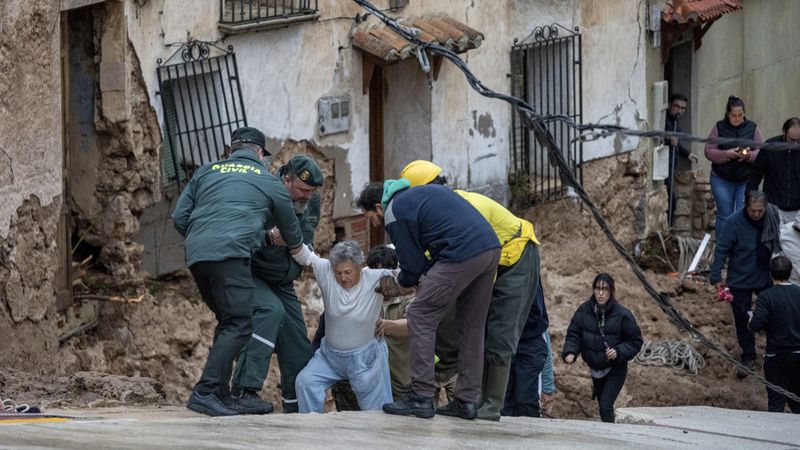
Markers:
point(249, 11)
point(202, 104)
point(546, 73)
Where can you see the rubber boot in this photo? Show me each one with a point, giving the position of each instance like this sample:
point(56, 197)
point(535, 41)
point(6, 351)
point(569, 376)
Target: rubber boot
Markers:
point(494, 392)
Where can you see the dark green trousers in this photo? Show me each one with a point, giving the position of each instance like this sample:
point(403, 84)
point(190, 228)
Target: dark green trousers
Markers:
point(512, 297)
point(278, 327)
point(227, 288)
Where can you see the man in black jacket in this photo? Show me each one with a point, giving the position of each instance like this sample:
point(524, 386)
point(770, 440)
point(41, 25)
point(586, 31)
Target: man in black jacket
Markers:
point(778, 313)
point(278, 325)
point(740, 244)
point(680, 157)
point(780, 169)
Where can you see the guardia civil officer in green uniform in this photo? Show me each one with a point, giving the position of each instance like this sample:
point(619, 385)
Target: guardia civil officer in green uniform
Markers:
point(224, 213)
point(278, 324)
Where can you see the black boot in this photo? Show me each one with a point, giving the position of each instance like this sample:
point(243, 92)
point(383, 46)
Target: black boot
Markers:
point(209, 404)
point(607, 415)
point(457, 408)
point(749, 363)
point(290, 407)
point(248, 402)
point(413, 405)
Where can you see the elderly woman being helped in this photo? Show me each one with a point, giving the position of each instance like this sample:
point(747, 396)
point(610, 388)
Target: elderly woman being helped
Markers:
point(349, 350)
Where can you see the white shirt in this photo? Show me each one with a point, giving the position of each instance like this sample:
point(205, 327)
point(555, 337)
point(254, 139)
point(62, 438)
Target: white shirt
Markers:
point(790, 244)
point(350, 314)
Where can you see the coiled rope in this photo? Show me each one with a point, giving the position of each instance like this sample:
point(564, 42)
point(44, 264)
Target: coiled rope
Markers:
point(671, 353)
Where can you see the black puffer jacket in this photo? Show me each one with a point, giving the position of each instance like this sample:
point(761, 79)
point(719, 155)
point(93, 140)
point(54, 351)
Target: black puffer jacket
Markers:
point(779, 169)
point(619, 331)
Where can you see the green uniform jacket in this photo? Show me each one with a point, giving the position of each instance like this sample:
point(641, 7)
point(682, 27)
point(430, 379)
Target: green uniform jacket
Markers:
point(224, 209)
point(275, 264)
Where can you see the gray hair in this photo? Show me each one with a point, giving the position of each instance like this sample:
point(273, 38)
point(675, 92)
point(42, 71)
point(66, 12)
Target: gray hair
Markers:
point(752, 197)
point(346, 251)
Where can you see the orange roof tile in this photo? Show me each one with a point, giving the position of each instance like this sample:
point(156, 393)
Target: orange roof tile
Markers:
point(683, 11)
point(385, 44)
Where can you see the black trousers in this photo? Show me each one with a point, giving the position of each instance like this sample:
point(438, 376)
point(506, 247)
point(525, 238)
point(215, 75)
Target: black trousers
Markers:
point(522, 392)
point(742, 303)
point(227, 288)
point(607, 389)
point(783, 369)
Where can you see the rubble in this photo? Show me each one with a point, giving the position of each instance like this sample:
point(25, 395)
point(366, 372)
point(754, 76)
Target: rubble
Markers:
point(80, 390)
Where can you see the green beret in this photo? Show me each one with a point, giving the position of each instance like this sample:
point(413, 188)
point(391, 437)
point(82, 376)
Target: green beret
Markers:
point(306, 170)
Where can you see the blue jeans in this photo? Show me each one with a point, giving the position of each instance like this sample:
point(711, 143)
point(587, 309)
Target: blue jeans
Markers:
point(729, 198)
point(367, 369)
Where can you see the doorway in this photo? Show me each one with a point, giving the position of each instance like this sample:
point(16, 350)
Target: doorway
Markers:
point(678, 73)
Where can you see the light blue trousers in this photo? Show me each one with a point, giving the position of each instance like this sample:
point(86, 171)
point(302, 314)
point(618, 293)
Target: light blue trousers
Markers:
point(367, 369)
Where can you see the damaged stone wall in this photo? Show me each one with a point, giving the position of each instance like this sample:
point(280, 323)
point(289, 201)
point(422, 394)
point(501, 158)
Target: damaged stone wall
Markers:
point(30, 181)
point(694, 209)
point(27, 281)
point(35, 125)
point(126, 171)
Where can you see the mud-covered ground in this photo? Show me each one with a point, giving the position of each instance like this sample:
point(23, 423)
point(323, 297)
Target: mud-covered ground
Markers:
point(165, 338)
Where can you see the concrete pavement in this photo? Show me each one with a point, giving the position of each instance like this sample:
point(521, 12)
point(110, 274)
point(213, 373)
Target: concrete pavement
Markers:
point(177, 428)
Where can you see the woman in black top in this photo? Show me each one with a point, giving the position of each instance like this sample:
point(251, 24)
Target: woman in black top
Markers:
point(731, 165)
point(606, 336)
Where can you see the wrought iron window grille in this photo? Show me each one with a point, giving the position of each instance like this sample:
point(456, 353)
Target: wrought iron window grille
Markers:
point(546, 72)
point(234, 12)
point(202, 104)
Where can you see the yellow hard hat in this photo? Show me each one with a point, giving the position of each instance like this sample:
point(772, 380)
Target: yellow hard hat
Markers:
point(420, 172)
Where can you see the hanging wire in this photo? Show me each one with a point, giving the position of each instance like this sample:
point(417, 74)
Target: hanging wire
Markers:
point(536, 123)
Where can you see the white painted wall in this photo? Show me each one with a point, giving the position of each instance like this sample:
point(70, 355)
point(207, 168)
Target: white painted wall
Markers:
point(614, 85)
point(754, 54)
point(284, 72)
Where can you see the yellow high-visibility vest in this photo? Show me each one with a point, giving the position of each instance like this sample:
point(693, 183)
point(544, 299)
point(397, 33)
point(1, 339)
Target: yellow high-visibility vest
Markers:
point(512, 232)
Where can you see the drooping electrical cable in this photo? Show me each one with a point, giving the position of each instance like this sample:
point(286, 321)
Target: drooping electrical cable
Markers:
point(536, 123)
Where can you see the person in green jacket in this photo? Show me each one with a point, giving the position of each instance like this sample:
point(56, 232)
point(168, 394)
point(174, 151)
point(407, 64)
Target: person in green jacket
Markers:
point(278, 324)
point(224, 213)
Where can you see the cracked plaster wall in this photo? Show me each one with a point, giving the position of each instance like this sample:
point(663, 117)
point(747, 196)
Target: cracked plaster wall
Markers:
point(31, 167)
point(615, 84)
point(30, 114)
point(30, 170)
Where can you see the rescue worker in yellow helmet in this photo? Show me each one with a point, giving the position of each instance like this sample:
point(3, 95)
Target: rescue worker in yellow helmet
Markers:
point(514, 289)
